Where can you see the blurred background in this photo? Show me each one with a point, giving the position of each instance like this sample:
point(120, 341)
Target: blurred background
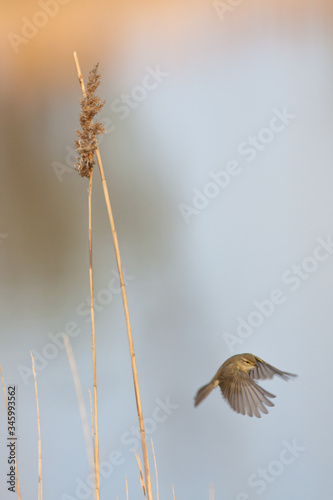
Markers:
point(218, 157)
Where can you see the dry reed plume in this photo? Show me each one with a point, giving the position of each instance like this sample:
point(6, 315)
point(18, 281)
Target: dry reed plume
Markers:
point(86, 144)
point(87, 148)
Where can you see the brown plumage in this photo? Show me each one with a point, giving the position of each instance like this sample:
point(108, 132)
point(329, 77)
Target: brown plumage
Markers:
point(236, 378)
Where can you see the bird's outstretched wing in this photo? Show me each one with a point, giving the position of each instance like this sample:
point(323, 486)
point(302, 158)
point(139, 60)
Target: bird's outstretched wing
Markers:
point(263, 370)
point(246, 396)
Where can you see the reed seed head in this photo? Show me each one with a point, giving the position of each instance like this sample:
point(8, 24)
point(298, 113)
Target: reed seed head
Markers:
point(86, 143)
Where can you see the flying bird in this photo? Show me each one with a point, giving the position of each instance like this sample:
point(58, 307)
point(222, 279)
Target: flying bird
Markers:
point(236, 378)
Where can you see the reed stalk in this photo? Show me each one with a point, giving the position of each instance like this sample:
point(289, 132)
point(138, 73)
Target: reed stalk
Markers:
point(40, 476)
point(85, 169)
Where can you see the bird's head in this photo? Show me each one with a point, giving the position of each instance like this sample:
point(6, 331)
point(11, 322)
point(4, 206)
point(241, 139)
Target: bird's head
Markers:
point(247, 362)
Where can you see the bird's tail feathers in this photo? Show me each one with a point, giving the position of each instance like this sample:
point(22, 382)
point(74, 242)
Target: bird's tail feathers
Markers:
point(204, 391)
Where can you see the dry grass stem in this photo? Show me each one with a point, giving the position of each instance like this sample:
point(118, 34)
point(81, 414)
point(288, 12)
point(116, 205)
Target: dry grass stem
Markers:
point(40, 477)
point(79, 74)
point(93, 336)
point(141, 474)
point(129, 330)
point(91, 417)
point(126, 310)
point(126, 483)
point(86, 145)
point(173, 493)
point(157, 492)
point(17, 482)
point(80, 400)
point(211, 492)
